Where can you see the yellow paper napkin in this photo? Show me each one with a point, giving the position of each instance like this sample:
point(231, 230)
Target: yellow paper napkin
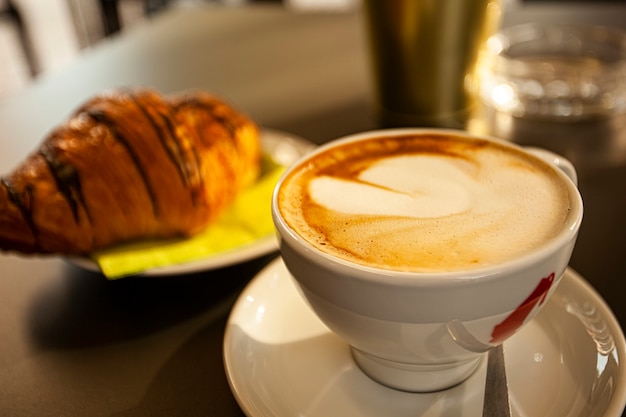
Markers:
point(246, 221)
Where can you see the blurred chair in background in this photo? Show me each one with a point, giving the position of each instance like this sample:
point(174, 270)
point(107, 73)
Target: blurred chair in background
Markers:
point(17, 62)
point(115, 13)
point(37, 36)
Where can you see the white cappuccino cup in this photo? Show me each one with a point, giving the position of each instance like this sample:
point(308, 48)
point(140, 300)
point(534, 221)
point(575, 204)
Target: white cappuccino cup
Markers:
point(424, 248)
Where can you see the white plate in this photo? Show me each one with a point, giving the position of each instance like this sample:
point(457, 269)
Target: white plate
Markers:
point(285, 149)
point(281, 361)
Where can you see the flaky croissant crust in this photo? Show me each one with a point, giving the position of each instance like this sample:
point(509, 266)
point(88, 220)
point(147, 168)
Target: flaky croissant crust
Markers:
point(129, 165)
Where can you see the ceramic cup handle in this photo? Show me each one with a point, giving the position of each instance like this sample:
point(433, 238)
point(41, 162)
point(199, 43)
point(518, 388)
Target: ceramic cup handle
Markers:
point(557, 160)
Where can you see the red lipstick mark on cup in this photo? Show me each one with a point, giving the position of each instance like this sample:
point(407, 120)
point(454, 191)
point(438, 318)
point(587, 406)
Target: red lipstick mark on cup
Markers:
point(509, 325)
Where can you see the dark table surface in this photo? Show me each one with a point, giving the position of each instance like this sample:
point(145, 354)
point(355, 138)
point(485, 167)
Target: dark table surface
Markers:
point(74, 344)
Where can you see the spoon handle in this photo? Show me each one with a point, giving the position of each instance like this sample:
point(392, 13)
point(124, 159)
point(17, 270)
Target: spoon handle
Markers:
point(496, 402)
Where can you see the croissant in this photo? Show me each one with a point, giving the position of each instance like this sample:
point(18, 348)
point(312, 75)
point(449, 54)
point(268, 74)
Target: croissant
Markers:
point(128, 165)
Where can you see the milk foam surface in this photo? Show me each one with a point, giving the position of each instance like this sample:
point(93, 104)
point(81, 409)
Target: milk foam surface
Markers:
point(434, 204)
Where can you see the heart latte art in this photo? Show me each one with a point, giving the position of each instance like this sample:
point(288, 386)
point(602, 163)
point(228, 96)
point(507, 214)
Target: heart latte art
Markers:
point(424, 203)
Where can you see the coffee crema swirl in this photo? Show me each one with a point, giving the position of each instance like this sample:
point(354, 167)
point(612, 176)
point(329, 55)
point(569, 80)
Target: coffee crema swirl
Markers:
point(425, 203)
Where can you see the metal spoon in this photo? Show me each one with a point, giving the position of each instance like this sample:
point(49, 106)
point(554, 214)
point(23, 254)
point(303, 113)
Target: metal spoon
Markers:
point(496, 402)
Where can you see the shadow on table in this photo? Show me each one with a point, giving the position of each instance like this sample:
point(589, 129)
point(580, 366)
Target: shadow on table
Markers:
point(84, 309)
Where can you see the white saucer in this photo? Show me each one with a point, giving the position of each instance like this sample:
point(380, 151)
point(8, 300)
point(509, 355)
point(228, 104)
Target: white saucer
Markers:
point(281, 361)
point(285, 149)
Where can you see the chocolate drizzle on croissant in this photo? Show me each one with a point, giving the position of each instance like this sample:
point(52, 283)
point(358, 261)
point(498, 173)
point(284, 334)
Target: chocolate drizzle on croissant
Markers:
point(128, 165)
point(22, 201)
point(102, 118)
point(188, 165)
point(67, 181)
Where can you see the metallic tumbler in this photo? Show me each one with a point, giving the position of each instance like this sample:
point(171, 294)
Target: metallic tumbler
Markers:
point(424, 56)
